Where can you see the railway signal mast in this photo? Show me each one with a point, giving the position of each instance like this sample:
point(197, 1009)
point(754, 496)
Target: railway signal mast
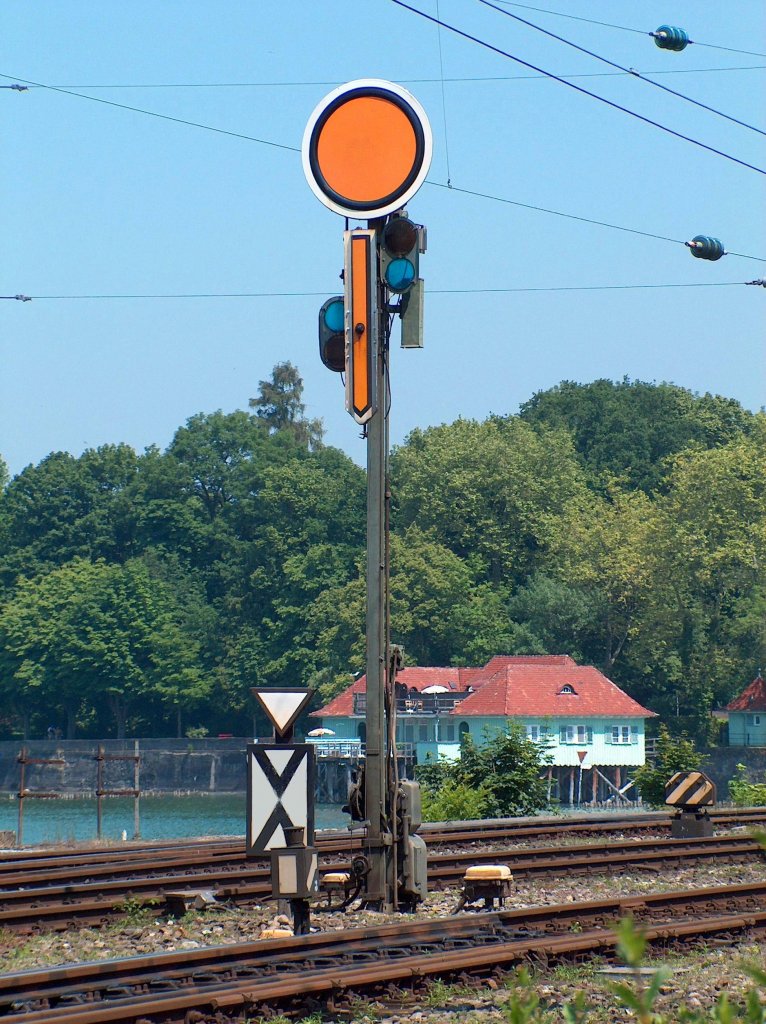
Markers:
point(366, 152)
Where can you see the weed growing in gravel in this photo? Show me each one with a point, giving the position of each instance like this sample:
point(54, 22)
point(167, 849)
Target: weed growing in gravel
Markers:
point(637, 996)
point(315, 1018)
point(440, 993)
point(576, 972)
point(136, 911)
point(362, 1012)
point(16, 957)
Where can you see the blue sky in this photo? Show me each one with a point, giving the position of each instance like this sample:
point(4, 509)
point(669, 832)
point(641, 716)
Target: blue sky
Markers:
point(103, 201)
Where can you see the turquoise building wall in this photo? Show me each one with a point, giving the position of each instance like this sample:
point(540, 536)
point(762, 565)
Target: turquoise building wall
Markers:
point(747, 729)
point(595, 735)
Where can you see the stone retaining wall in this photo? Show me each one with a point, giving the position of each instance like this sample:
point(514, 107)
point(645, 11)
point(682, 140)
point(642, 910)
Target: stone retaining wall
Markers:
point(166, 766)
point(219, 766)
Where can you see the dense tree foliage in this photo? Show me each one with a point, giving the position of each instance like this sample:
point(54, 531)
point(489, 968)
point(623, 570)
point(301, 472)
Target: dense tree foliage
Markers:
point(620, 523)
point(628, 429)
point(500, 779)
point(674, 754)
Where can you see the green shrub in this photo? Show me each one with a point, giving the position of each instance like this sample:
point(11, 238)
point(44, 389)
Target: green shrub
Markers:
point(745, 793)
point(497, 780)
point(674, 754)
point(458, 802)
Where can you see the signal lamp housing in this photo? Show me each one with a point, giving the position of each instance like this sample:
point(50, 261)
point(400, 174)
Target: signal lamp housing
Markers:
point(399, 254)
point(332, 335)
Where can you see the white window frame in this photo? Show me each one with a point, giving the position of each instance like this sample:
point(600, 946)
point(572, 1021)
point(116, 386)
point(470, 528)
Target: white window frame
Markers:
point(622, 734)
point(576, 734)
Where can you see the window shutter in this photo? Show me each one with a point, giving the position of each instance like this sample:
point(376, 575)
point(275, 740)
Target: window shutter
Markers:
point(563, 734)
point(608, 734)
point(590, 734)
point(634, 734)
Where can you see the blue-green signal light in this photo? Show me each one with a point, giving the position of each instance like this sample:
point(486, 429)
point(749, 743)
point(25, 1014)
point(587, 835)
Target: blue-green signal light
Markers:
point(400, 274)
point(332, 338)
point(334, 316)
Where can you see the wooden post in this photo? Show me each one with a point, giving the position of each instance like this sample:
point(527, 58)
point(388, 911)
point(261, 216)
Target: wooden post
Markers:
point(99, 788)
point(137, 792)
point(594, 785)
point(571, 786)
point(20, 824)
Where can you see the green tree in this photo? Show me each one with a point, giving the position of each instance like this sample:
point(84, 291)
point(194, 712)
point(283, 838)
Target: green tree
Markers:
point(279, 405)
point(506, 770)
point(703, 626)
point(66, 508)
point(89, 634)
point(559, 617)
point(606, 550)
point(428, 582)
point(674, 754)
point(482, 627)
point(626, 430)
point(491, 492)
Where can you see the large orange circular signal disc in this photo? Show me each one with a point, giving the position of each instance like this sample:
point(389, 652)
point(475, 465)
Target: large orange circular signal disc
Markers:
point(367, 148)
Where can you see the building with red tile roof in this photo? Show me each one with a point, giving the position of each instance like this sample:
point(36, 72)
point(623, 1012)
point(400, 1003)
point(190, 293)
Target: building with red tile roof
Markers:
point(747, 716)
point(584, 720)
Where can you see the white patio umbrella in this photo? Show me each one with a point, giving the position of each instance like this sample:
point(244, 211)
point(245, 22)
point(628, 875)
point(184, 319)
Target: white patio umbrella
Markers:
point(320, 732)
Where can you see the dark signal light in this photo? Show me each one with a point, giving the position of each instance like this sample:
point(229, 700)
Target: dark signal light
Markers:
point(399, 248)
point(332, 334)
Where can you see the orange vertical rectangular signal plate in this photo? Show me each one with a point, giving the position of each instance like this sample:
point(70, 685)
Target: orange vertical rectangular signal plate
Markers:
point(361, 341)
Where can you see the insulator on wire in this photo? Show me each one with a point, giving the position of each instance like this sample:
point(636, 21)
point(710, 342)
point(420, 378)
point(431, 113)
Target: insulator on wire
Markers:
point(706, 248)
point(669, 37)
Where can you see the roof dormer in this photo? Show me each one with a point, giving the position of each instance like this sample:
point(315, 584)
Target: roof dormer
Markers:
point(567, 688)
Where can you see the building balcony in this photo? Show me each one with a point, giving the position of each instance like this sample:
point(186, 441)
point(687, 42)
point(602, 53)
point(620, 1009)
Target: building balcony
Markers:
point(354, 750)
point(417, 704)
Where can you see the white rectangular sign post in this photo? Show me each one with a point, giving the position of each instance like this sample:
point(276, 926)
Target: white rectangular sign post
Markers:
point(280, 794)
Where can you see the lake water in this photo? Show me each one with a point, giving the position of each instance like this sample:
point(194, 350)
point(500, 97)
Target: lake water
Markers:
point(161, 817)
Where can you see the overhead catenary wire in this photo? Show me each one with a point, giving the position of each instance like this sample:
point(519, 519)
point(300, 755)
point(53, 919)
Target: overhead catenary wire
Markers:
point(444, 97)
point(153, 113)
point(334, 82)
point(586, 92)
point(573, 216)
point(437, 184)
point(613, 64)
point(623, 28)
point(432, 291)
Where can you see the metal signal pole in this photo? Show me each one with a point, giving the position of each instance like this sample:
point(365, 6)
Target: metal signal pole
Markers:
point(366, 151)
point(381, 885)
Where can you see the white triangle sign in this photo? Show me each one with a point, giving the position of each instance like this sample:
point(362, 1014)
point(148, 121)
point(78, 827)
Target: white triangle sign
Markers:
point(282, 706)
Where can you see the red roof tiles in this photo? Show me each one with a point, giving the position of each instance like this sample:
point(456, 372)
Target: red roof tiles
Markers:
point(536, 691)
point(752, 698)
point(513, 685)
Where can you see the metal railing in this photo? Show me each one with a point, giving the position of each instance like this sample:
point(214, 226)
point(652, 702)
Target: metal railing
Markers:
point(355, 749)
point(417, 704)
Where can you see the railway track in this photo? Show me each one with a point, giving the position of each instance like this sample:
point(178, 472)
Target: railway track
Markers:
point(93, 895)
point(298, 973)
point(337, 841)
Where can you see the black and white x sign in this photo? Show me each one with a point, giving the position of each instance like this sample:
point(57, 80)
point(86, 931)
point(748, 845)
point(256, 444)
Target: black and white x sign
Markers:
point(280, 794)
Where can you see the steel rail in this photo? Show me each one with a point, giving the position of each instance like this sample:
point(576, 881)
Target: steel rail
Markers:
point(156, 876)
point(124, 990)
point(34, 874)
point(435, 833)
point(57, 906)
point(205, 850)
